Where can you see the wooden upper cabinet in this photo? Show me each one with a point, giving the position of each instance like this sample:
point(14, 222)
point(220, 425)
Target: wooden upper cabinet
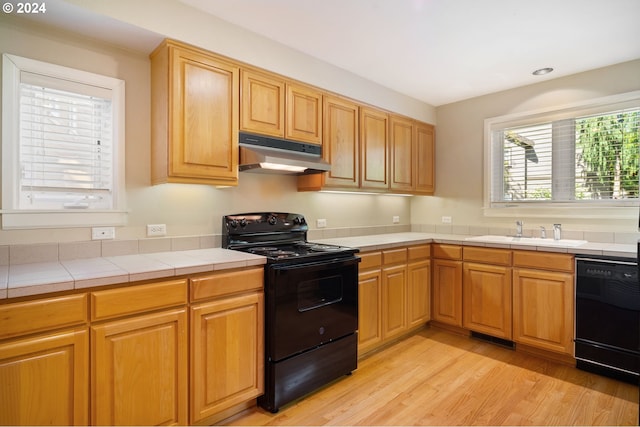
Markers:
point(341, 145)
point(304, 114)
point(262, 103)
point(424, 158)
point(273, 106)
point(194, 115)
point(374, 151)
point(402, 163)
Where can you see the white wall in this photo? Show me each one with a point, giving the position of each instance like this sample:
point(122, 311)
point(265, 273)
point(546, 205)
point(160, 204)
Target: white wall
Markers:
point(186, 209)
point(460, 139)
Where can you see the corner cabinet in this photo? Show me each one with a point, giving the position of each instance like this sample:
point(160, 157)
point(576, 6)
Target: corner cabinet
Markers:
point(394, 294)
point(194, 116)
point(424, 158)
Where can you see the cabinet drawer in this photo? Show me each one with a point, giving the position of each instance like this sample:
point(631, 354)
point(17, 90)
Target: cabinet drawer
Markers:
point(543, 260)
point(370, 260)
point(394, 256)
point(443, 251)
point(135, 299)
point(419, 252)
point(43, 314)
point(487, 255)
point(229, 282)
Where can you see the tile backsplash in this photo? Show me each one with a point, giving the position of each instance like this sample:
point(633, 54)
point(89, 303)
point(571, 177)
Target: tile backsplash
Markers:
point(53, 252)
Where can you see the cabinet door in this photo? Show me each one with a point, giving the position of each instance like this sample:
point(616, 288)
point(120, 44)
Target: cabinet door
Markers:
point(340, 143)
point(419, 293)
point(394, 300)
point(204, 116)
point(402, 161)
point(44, 380)
point(447, 291)
point(227, 354)
point(262, 104)
point(374, 149)
point(304, 114)
point(486, 297)
point(369, 310)
point(424, 157)
point(543, 309)
point(139, 370)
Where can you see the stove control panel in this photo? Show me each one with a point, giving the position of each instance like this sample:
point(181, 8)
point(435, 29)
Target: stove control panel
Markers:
point(264, 222)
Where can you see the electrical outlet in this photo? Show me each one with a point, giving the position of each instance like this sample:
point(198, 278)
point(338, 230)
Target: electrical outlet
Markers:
point(446, 220)
point(103, 233)
point(321, 223)
point(396, 219)
point(156, 230)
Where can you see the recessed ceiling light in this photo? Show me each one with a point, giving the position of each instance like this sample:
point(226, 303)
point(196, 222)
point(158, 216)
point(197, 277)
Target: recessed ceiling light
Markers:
point(542, 71)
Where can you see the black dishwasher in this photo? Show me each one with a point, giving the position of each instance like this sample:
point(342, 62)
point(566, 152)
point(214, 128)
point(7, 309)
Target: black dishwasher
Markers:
point(608, 317)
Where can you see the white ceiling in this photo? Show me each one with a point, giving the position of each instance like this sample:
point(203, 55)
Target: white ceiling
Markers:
point(441, 51)
point(437, 51)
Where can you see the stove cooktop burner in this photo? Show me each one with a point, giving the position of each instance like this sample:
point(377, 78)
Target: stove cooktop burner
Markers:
point(281, 237)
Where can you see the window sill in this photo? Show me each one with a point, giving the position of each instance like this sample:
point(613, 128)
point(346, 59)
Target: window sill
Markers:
point(56, 219)
point(557, 212)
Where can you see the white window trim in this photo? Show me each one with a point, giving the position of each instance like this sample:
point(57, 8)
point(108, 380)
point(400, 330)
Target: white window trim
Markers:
point(595, 210)
point(24, 219)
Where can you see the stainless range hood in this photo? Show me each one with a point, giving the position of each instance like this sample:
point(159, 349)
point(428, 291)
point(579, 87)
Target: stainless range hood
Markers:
point(264, 154)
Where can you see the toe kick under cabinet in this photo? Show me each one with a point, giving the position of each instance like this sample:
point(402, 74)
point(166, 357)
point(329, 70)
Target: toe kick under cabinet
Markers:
point(184, 351)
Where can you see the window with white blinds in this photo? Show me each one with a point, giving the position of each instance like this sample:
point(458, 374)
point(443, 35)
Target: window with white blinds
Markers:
point(66, 146)
point(62, 144)
point(583, 156)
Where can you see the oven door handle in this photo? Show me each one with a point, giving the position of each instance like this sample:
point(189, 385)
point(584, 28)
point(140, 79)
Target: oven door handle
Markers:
point(330, 263)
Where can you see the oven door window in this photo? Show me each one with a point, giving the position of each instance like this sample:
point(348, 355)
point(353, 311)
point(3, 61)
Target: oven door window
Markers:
point(316, 293)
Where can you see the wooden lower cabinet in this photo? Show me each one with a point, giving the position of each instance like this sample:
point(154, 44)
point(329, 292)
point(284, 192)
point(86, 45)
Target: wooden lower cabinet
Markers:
point(447, 291)
point(486, 291)
point(227, 353)
point(139, 370)
point(543, 309)
point(393, 294)
point(369, 310)
point(418, 286)
point(44, 379)
point(486, 299)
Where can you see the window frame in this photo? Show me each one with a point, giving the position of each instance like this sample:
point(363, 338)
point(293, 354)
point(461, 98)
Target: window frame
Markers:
point(12, 216)
point(620, 209)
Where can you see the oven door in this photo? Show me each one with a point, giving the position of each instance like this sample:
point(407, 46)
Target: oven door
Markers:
point(309, 304)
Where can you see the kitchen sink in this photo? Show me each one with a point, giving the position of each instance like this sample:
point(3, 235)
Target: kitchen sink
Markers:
point(532, 241)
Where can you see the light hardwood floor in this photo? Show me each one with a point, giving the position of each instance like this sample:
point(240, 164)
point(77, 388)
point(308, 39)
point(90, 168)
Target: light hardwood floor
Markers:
point(439, 378)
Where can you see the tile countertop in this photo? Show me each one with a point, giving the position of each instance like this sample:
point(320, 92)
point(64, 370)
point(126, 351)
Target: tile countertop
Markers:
point(18, 280)
point(385, 241)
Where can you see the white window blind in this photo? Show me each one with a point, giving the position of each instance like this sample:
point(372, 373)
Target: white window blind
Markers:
point(66, 145)
point(579, 156)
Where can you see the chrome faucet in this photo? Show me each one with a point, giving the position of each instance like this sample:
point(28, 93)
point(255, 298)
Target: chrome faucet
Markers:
point(518, 228)
point(557, 231)
point(543, 232)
